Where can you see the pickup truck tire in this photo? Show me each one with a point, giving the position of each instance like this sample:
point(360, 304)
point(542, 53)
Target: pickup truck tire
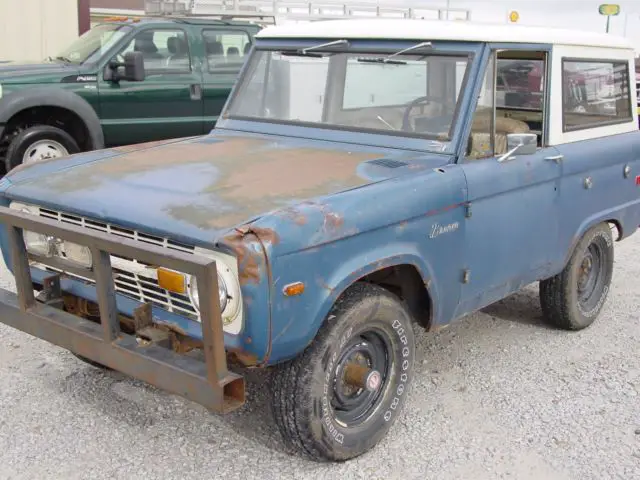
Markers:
point(573, 299)
point(35, 142)
point(338, 398)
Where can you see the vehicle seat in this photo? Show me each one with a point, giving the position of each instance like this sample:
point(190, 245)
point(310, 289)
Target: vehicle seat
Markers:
point(215, 52)
point(178, 53)
point(480, 139)
point(233, 52)
point(144, 44)
point(246, 48)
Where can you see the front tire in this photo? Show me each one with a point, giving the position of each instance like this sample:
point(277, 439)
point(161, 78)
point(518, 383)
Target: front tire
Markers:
point(39, 143)
point(573, 299)
point(339, 398)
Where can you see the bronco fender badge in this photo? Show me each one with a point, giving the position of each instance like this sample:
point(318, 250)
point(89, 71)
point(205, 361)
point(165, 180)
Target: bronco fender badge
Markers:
point(437, 229)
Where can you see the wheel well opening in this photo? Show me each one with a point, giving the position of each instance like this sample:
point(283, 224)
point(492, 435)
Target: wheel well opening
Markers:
point(46, 115)
point(406, 282)
point(616, 228)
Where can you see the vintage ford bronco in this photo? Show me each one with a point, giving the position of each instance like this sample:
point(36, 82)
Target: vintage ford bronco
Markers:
point(365, 177)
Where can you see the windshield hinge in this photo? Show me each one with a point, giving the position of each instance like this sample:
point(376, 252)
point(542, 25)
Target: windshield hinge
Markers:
point(467, 210)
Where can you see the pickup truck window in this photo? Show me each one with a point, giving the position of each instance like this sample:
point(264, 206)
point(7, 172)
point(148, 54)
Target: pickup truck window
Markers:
point(91, 45)
point(225, 50)
point(388, 97)
point(164, 50)
point(513, 90)
point(594, 93)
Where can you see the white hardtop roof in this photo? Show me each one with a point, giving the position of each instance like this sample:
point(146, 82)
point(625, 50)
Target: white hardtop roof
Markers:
point(411, 29)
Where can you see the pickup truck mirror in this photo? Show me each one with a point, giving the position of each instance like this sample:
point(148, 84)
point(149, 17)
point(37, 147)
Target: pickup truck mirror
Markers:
point(133, 67)
point(520, 144)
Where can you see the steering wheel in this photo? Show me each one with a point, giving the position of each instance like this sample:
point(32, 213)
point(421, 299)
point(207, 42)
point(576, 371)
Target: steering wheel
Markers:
point(425, 100)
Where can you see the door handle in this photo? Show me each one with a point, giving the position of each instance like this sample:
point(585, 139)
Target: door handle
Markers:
point(195, 91)
point(555, 158)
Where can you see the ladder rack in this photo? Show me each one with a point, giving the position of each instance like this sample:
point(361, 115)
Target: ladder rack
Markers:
point(282, 11)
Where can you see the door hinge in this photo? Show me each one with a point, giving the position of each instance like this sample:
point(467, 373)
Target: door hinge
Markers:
point(466, 274)
point(467, 210)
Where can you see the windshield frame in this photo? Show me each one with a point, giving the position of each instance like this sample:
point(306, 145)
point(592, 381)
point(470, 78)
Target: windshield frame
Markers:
point(93, 57)
point(467, 51)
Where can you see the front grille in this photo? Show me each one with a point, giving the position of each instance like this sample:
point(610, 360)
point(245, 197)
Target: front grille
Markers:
point(143, 288)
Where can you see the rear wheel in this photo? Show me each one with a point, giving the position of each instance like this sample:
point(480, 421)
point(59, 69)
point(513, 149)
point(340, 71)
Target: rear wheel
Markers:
point(574, 298)
point(38, 143)
point(339, 398)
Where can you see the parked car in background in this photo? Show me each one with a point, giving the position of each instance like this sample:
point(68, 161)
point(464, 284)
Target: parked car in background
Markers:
point(363, 181)
point(124, 81)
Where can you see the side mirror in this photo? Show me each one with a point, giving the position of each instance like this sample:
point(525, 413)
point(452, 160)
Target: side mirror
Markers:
point(520, 144)
point(134, 67)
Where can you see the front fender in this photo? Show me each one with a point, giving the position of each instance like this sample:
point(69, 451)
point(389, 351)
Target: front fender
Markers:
point(22, 99)
point(296, 320)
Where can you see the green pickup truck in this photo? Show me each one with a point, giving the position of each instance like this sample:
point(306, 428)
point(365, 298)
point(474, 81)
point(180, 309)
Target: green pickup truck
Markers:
point(125, 81)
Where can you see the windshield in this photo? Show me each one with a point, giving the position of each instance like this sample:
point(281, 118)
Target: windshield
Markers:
point(91, 45)
point(406, 94)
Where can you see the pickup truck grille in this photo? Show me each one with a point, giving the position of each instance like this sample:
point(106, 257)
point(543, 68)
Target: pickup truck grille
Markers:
point(132, 284)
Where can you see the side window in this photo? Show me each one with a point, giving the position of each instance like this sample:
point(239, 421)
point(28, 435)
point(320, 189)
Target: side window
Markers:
point(163, 50)
point(520, 84)
point(595, 93)
point(516, 81)
point(226, 50)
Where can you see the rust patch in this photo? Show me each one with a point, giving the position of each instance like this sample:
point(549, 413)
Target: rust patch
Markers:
point(249, 262)
point(245, 358)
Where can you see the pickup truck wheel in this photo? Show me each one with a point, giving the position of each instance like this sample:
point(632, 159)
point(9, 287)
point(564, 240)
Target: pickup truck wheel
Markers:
point(39, 143)
point(574, 298)
point(338, 399)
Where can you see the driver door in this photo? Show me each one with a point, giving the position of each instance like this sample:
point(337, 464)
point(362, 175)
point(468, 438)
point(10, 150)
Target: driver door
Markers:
point(512, 232)
point(167, 104)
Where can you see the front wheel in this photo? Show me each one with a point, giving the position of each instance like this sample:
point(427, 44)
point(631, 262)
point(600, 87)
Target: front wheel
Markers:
point(574, 298)
point(38, 143)
point(338, 399)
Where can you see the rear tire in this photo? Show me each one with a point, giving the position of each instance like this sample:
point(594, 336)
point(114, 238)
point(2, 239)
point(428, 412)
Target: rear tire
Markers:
point(573, 299)
point(38, 143)
point(339, 398)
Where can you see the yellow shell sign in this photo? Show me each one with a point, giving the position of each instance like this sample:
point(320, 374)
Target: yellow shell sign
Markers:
point(609, 9)
point(514, 16)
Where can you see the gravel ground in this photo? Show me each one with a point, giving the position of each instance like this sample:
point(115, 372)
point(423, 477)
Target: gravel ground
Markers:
point(497, 395)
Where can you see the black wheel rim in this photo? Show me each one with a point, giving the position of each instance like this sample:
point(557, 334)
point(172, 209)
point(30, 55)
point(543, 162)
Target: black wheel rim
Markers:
point(590, 280)
point(369, 352)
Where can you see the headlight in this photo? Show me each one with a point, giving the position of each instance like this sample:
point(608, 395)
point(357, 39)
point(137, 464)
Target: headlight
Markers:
point(223, 294)
point(78, 254)
point(229, 293)
point(39, 244)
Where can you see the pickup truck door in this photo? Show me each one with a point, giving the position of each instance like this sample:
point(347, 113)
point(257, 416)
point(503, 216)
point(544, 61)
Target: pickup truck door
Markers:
point(225, 52)
point(167, 104)
point(512, 230)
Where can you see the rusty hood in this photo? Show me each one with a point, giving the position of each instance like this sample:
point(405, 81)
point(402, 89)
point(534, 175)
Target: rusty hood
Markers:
point(198, 185)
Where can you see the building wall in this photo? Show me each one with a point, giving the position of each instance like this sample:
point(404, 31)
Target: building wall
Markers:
point(37, 29)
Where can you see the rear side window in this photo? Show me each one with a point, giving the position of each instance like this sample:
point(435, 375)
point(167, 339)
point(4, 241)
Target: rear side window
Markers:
point(226, 50)
point(595, 93)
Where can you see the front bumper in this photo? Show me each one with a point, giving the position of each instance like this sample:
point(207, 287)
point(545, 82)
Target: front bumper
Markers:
point(207, 382)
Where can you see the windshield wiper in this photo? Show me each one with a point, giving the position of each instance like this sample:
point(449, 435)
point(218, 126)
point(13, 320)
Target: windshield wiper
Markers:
point(400, 52)
point(305, 52)
point(63, 59)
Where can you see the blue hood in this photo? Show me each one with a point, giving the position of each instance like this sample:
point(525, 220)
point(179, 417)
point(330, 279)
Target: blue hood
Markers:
point(197, 189)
